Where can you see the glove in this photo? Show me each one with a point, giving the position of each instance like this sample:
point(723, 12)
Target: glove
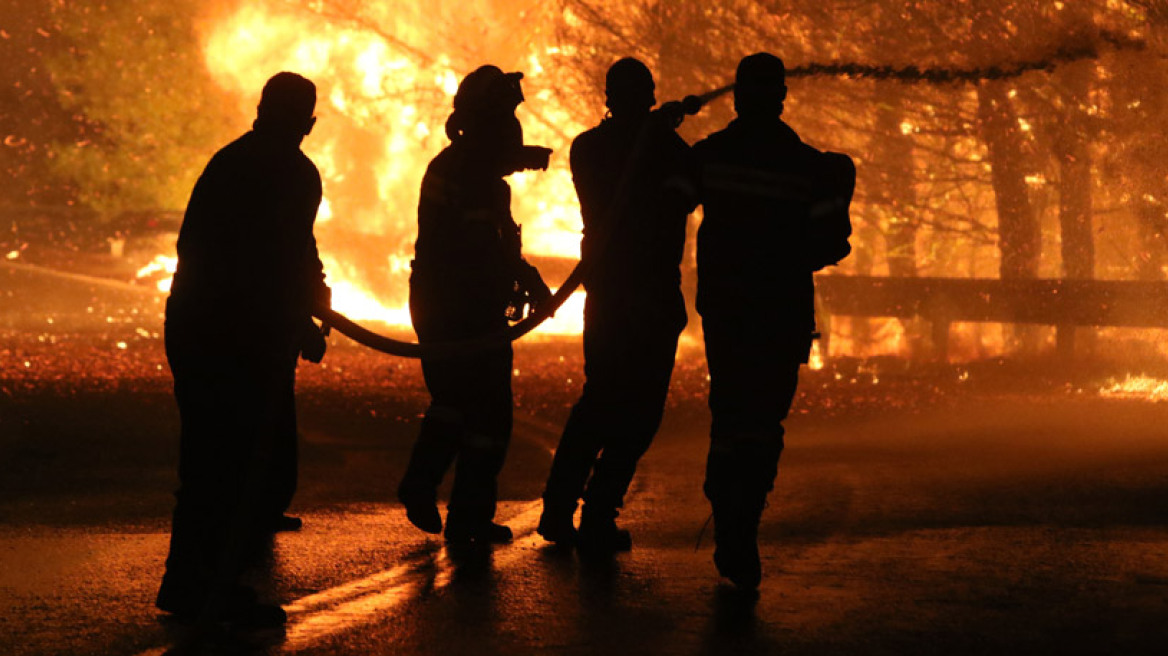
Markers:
point(312, 342)
point(529, 291)
point(675, 111)
point(532, 284)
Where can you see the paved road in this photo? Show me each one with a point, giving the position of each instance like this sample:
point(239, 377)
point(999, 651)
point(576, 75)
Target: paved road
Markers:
point(1029, 527)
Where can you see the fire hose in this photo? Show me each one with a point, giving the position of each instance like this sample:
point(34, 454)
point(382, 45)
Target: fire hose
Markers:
point(674, 112)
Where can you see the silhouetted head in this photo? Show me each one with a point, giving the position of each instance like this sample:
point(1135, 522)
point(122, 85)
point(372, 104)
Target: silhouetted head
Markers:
point(286, 107)
point(485, 96)
point(629, 87)
point(760, 86)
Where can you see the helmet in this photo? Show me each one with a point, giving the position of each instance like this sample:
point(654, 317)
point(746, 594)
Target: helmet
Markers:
point(486, 93)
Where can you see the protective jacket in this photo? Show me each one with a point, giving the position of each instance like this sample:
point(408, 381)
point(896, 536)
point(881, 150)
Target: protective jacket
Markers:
point(633, 178)
point(467, 259)
point(246, 248)
point(776, 210)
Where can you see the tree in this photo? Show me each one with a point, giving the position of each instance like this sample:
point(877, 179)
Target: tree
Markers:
point(133, 71)
point(32, 120)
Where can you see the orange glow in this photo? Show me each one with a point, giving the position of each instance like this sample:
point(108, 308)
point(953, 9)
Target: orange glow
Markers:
point(880, 337)
point(160, 263)
point(382, 105)
point(1142, 388)
point(815, 361)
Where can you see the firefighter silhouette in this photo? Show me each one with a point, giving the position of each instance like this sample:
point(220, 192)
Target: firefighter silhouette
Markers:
point(238, 315)
point(775, 210)
point(468, 278)
point(634, 184)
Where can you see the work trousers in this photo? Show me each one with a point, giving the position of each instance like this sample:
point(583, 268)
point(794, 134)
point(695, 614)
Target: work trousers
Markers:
point(468, 422)
point(628, 361)
point(237, 455)
point(754, 371)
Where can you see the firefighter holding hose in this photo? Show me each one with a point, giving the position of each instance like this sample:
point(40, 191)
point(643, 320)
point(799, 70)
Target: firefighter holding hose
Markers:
point(238, 316)
point(469, 277)
point(634, 182)
point(775, 211)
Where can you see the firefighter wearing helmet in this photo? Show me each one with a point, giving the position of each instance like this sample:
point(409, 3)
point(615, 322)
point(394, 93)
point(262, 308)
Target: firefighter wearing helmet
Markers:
point(775, 211)
point(468, 277)
point(632, 177)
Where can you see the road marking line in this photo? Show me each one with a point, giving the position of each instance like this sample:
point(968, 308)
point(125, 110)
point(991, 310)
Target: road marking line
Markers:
point(334, 610)
point(381, 592)
point(317, 616)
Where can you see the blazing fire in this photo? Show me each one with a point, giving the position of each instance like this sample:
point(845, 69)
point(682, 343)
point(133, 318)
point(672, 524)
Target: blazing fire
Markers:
point(160, 263)
point(1138, 387)
point(382, 107)
point(815, 361)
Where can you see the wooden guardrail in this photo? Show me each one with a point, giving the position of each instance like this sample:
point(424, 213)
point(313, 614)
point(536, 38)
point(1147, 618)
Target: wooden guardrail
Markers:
point(942, 301)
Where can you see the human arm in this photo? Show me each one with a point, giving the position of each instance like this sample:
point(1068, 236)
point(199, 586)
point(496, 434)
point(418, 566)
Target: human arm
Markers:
point(829, 223)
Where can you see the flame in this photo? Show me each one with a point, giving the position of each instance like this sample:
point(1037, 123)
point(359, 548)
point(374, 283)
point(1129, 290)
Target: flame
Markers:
point(1143, 388)
point(357, 304)
point(815, 361)
point(882, 337)
point(164, 263)
point(381, 106)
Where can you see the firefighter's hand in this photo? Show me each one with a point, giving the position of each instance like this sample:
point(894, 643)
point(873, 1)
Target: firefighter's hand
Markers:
point(673, 113)
point(538, 293)
point(312, 343)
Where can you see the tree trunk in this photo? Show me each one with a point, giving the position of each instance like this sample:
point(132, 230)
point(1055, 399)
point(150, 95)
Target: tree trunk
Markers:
point(1019, 238)
point(895, 197)
point(1019, 234)
point(1078, 246)
point(1151, 225)
point(893, 151)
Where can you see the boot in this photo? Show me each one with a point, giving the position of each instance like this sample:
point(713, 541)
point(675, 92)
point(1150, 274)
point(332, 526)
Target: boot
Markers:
point(736, 544)
point(467, 531)
point(555, 523)
point(421, 508)
point(238, 608)
point(737, 484)
point(599, 533)
point(432, 455)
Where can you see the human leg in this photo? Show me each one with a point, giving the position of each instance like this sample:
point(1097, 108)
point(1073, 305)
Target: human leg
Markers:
point(285, 454)
point(637, 382)
point(225, 442)
point(485, 396)
point(433, 453)
point(572, 463)
point(753, 378)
